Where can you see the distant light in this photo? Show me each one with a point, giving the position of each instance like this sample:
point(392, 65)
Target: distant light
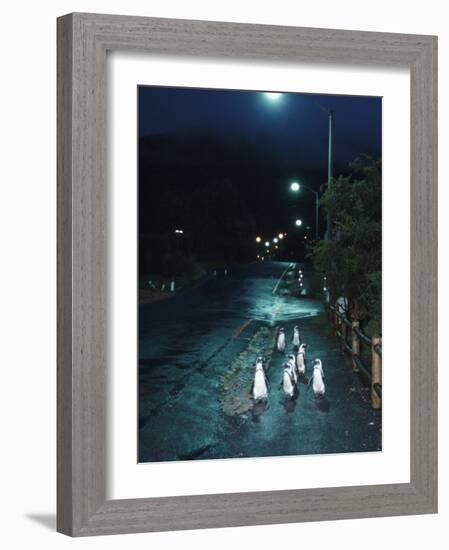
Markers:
point(267, 243)
point(179, 231)
point(258, 239)
point(325, 289)
point(281, 235)
point(276, 246)
point(295, 186)
point(275, 240)
point(300, 284)
point(298, 223)
point(273, 96)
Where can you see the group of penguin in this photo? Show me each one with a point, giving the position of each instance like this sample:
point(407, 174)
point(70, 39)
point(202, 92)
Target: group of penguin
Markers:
point(294, 370)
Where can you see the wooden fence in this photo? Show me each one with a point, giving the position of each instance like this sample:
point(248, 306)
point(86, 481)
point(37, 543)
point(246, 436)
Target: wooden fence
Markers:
point(350, 330)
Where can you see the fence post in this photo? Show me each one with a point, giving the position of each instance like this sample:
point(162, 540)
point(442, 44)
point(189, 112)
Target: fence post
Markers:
point(376, 372)
point(355, 346)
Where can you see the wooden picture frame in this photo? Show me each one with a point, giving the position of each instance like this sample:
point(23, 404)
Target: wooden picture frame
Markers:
point(83, 40)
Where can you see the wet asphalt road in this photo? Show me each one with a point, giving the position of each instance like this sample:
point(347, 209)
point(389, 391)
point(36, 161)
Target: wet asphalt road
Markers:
point(188, 341)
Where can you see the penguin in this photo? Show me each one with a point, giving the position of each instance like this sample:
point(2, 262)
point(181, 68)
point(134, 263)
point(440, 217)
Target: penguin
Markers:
point(287, 382)
point(259, 388)
point(301, 360)
point(291, 362)
point(318, 378)
point(280, 342)
point(296, 337)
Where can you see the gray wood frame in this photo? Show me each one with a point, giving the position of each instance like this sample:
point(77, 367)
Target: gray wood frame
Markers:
point(83, 40)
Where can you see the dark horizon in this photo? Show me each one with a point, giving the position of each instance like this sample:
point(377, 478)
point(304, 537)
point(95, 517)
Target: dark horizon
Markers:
point(206, 154)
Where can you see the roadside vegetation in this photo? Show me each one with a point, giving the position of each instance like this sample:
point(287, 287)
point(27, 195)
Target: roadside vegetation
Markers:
point(350, 265)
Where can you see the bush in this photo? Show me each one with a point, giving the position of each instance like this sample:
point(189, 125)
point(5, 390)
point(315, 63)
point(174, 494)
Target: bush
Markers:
point(351, 262)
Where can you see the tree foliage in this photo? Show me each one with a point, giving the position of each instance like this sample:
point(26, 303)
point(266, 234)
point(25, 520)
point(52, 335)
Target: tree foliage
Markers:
point(352, 261)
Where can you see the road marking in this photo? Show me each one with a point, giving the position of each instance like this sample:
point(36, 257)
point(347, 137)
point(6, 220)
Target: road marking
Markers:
point(242, 328)
point(280, 278)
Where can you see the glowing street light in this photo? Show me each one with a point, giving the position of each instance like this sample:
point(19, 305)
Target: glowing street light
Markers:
point(258, 239)
point(298, 223)
point(295, 186)
point(273, 96)
point(267, 244)
point(275, 240)
point(281, 236)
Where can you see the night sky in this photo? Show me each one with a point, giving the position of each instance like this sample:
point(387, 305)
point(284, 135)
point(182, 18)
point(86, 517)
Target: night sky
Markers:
point(200, 142)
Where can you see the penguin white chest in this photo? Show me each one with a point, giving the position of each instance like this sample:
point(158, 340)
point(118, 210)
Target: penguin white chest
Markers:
point(260, 390)
point(296, 338)
point(301, 363)
point(292, 368)
point(287, 383)
point(281, 342)
point(318, 382)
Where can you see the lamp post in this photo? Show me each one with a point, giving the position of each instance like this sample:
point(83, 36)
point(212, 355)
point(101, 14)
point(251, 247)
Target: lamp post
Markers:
point(295, 186)
point(330, 170)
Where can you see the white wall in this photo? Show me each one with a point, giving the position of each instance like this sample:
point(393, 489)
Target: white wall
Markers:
point(27, 295)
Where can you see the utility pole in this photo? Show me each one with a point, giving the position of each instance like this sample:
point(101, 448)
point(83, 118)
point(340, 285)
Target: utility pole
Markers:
point(330, 171)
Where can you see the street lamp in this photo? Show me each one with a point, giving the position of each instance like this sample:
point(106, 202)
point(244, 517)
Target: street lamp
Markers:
point(275, 240)
point(295, 186)
point(273, 96)
point(298, 223)
point(258, 239)
point(281, 236)
point(267, 244)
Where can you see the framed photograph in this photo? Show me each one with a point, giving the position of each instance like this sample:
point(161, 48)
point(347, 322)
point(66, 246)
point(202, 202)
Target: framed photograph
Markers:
point(247, 274)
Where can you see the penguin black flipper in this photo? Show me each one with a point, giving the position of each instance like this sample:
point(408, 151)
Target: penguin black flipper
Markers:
point(292, 380)
point(267, 383)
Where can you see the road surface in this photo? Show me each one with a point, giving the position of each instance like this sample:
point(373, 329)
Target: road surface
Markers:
point(191, 342)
